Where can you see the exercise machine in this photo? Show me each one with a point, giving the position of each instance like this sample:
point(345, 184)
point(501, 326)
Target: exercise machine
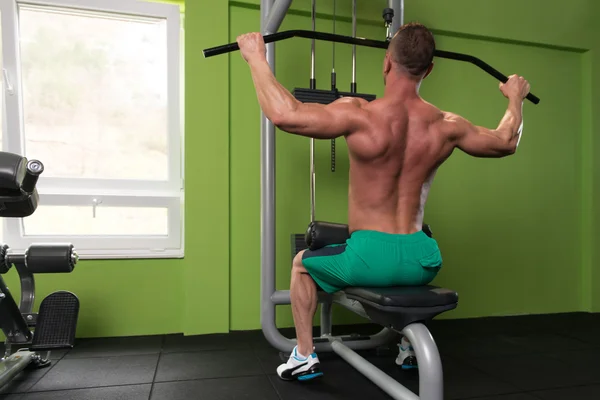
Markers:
point(400, 310)
point(54, 326)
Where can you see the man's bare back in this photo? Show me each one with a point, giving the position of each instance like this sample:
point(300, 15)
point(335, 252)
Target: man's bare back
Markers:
point(393, 163)
point(397, 148)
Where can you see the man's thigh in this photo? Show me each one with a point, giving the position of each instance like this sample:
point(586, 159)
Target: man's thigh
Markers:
point(328, 266)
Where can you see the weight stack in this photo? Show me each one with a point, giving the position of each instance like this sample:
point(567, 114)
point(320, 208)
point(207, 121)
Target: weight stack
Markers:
point(326, 96)
point(315, 96)
point(298, 243)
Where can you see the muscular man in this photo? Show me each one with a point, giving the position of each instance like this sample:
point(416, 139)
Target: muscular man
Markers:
point(396, 144)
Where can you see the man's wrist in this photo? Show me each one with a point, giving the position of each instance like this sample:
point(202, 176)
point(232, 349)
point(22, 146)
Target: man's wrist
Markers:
point(515, 101)
point(256, 60)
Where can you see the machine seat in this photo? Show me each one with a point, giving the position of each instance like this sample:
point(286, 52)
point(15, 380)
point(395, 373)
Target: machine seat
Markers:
point(399, 306)
point(404, 296)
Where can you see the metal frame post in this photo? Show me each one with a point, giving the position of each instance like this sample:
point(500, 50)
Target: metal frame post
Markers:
point(274, 17)
point(431, 375)
point(271, 17)
point(398, 21)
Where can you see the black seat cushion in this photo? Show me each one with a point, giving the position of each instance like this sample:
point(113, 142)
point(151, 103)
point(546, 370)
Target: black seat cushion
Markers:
point(404, 296)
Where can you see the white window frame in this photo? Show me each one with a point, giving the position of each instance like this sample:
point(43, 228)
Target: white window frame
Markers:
point(112, 192)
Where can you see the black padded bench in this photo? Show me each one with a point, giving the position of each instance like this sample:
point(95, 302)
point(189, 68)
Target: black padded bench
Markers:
point(399, 306)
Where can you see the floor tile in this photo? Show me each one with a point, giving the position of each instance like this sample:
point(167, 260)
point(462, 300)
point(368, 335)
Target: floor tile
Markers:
point(257, 340)
point(512, 325)
point(584, 362)
point(270, 359)
point(207, 364)
point(516, 396)
point(506, 345)
point(481, 346)
point(574, 393)
point(589, 335)
point(533, 372)
point(114, 347)
point(547, 343)
point(79, 373)
point(244, 388)
point(133, 392)
point(180, 343)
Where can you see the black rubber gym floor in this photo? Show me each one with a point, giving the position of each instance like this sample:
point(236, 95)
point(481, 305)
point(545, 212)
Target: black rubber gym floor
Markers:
point(517, 358)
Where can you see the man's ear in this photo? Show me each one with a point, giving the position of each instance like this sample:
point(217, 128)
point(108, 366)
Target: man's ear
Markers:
point(387, 63)
point(428, 71)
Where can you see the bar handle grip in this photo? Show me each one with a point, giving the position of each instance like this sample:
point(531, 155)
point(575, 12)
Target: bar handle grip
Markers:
point(230, 47)
point(226, 48)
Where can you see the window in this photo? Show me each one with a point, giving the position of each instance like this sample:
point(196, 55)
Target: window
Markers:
point(92, 89)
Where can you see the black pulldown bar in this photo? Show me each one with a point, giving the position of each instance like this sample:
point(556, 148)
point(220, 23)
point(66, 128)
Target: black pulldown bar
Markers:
point(378, 44)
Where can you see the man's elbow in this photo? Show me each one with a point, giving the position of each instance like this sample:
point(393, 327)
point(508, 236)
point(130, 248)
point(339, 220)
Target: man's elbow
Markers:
point(284, 115)
point(278, 119)
point(283, 121)
point(509, 148)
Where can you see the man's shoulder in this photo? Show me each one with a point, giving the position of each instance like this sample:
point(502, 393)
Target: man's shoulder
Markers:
point(353, 101)
point(451, 117)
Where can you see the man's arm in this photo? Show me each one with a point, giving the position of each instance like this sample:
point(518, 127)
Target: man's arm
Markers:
point(500, 142)
point(281, 107)
point(478, 141)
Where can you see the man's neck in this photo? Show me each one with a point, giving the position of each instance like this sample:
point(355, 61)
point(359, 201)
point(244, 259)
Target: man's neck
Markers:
point(401, 87)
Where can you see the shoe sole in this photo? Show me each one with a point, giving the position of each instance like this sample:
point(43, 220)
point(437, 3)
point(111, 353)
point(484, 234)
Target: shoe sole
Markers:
point(314, 372)
point(309, 377)
point(409, 367)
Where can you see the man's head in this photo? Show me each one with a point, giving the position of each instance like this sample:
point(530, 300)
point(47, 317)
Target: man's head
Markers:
point(410, 52)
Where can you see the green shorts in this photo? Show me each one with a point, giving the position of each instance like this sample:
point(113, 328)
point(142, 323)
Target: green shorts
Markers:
point(375, 259)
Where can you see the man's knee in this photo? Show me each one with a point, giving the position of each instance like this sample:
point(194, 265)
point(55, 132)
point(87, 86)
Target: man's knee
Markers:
point(297, 263)
point(297, 266)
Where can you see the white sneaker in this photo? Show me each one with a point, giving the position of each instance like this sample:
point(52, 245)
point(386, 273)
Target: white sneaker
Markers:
point(298, 367)
point(406, 356)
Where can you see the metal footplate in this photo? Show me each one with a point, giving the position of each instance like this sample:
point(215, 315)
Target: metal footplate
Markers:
point(57, 322)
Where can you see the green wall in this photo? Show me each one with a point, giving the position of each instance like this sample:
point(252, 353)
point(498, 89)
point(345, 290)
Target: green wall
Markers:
point(505, 226)
point(593, 119)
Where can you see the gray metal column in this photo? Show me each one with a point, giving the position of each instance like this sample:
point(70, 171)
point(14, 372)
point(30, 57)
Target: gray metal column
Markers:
point(431, 375)
point(271, 17)
point(275, 16)
point(267, 201)
point(326, 318)
point(398, 21)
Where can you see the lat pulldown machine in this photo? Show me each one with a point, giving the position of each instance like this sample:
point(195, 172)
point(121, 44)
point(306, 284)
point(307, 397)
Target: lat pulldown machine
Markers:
point(398, 309)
